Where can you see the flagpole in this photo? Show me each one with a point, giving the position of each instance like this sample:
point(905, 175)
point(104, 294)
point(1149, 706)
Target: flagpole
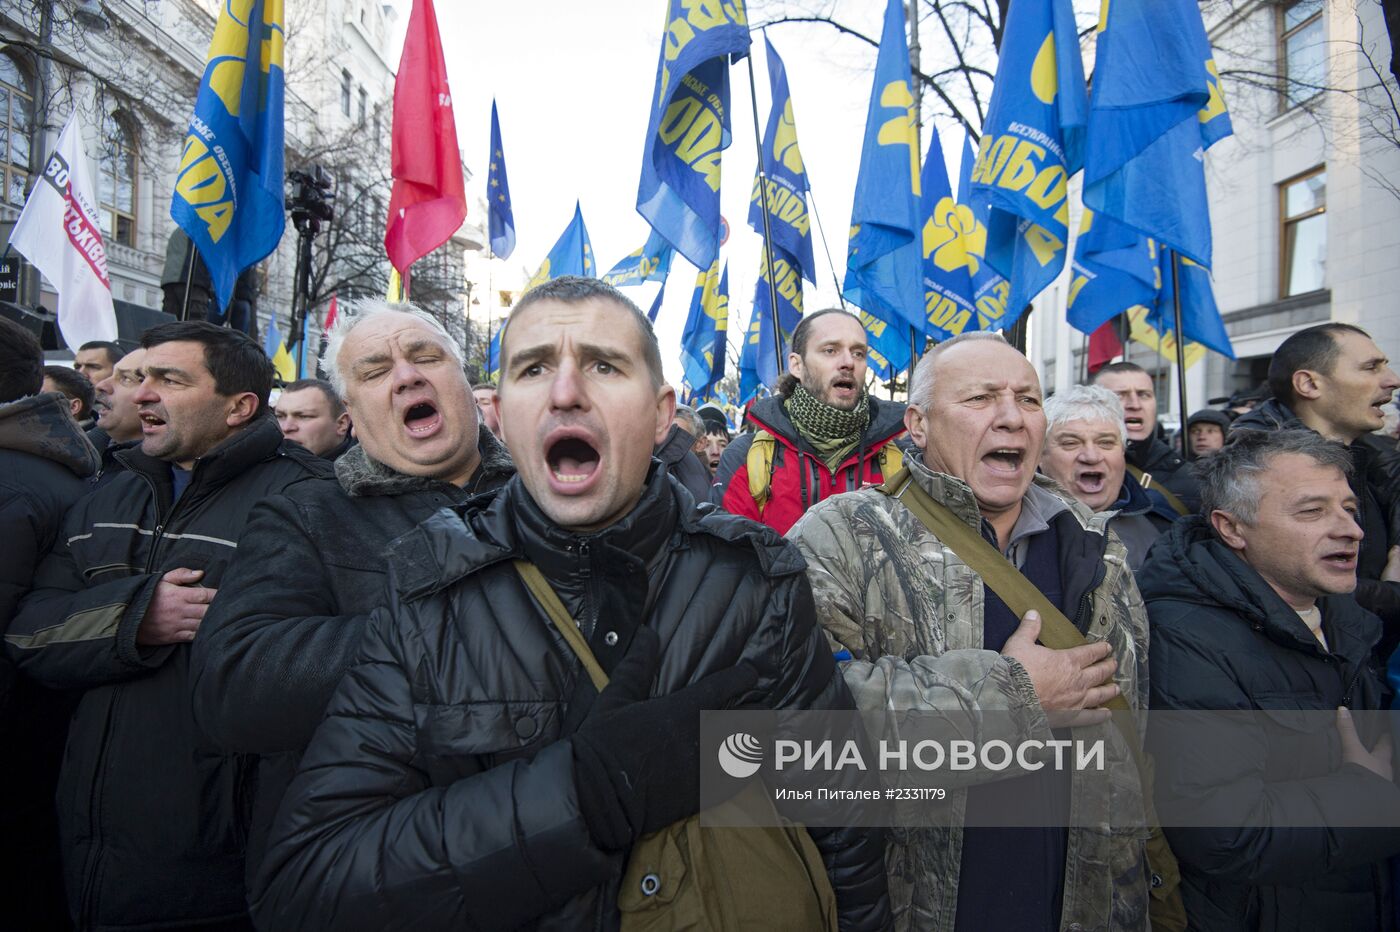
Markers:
point(189, 274)
point(812, 208)
point(1180, 356)
point(767, 228)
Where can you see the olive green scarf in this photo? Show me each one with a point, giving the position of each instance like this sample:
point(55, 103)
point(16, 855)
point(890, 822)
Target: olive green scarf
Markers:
point(832, 432)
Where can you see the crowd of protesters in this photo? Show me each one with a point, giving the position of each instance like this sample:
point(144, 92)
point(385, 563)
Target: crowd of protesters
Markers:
point(387, 649)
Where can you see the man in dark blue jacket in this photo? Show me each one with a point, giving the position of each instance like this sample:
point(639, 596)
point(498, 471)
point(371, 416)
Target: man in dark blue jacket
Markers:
point(1283, 811)
point(151, 821)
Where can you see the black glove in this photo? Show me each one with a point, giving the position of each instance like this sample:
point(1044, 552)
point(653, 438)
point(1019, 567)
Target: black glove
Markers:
point(637, 760)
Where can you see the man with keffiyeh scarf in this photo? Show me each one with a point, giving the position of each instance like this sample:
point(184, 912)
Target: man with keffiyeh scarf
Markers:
point(820, 435)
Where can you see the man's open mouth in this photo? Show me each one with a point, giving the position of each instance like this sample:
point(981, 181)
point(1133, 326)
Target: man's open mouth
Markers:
point(1342, 560)
point(422, 419)
point(1005, 459)
point(1133, 423)
point(572, 459)
point(1091, 480)
point(151, 420)
point(844, 382)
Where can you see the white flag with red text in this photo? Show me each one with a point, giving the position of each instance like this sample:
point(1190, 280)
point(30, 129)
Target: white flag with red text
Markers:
point(59, 233)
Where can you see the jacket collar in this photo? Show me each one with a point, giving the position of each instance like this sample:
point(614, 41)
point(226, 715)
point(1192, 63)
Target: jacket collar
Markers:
point(886, 423)
point(677, 444)
point(362, 476)
point(41, 426)
point(258, 441)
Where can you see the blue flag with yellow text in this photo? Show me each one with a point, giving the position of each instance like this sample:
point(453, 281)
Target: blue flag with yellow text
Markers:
point(1032, 142)
point(758, 357)
point(788, 219)
point(689, 125)
point(651, 263)
point(882, 257)
point(228, 186)
point(493, 355)
point(1115, 268)
point(500, 217)
point(706, 330)
point(656, 302)
point(572, 254)
point(990, 289)
point(1200, 316)
point(1156, 107)
point(952, 244)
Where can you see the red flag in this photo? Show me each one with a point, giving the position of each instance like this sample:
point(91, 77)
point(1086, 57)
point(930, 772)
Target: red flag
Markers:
point(1104, 346)
point(330, 316)
point(429, 201)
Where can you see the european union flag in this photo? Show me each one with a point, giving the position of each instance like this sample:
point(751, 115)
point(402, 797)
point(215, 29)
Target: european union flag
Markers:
point(651, 263)
point(758, 358)
point(882, 257)
point(228, 187)
point(1156, 108)
point(788, 219)
point(689, 126)
point(990, 289)
point(1032, 142)
point(501, 219)
point(706, 331)
point(572, 253)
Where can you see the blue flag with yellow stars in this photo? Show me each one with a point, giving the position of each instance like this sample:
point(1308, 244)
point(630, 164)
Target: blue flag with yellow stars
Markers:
point(990, 290)
point(689, 126)
point(706, 330)
point(501, 219)
point(228, 186)
point(1156, 107)
point(788, 219)
point(572, 254)
point(651, 263)
point(758, 358)
point(1032, 142)
point(882, 256)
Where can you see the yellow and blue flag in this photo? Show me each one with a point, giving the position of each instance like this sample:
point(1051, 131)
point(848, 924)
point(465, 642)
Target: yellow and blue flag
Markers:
point(882, 256)
point(703, 342)
point(953, 245)
point(656, 302)
point(228, 187)
point(689, 126)
point(1032, 142)
point(1156, 107)
point(990, 290)
point(572, 253)
point(493, 355)
point(758, 358)
point(501, 219)
point(651, 263)
point(276, 350)
point(788, 219)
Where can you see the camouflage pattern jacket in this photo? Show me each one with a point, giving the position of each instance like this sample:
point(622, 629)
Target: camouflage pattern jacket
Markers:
point(909, 611)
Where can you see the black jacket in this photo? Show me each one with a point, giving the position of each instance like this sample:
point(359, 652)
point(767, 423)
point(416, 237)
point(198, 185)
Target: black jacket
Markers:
point(439, 791)
point(1375, 479)
point(1155, 457)
point(677, 451)
point(311, 566)
point(44, 464)
point(152, 826)
point(1223, 640)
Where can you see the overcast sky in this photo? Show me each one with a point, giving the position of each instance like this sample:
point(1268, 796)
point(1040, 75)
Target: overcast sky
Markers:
point(573, 83)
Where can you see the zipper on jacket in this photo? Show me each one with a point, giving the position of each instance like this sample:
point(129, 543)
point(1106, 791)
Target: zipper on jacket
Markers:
point(590, 604)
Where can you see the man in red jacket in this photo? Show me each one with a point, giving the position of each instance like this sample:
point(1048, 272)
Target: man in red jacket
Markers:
point(820, 435)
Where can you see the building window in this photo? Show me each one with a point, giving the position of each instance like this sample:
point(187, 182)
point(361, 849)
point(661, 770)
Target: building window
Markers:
point(1302, 51)
point(16, 107)
point(1303, 212)
point(117, 188)
point(346, 89)
point(364, 105)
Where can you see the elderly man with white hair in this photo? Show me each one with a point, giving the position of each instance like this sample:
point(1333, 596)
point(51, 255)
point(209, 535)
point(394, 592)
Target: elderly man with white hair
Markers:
point(891, 576)
point(311, 564)
point(1086, 453)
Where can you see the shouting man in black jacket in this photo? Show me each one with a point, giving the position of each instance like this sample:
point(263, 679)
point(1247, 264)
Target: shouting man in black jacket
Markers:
point(1252, 615)
point(311, 564)
point(150, 821)
point(464, 777)
point(1156, 466)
